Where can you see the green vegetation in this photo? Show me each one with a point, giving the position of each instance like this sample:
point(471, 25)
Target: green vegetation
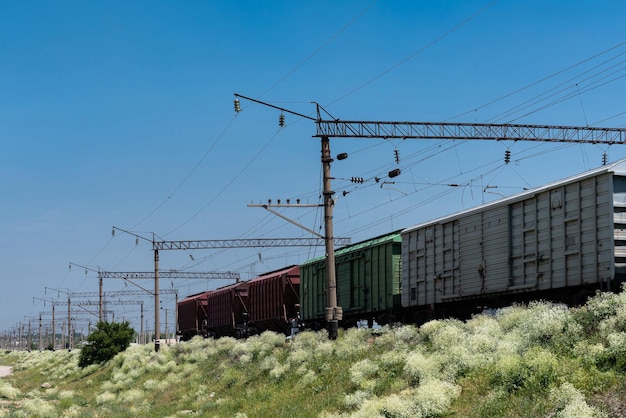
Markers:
point(107, 340)
point(541, 360)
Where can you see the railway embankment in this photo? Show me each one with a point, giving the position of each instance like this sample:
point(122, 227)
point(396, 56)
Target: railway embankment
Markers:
point(537, 360)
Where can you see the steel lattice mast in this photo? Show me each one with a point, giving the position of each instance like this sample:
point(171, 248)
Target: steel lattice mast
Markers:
point(469, 131)
point(244, 243)
point(119, 293)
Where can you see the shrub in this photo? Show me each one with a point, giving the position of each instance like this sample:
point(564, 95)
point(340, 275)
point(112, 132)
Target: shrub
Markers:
point(434, 397)
point(363, 374)
point(419, 368)
point(105, 342)
point(7, 391)
point(539, 323)
point(597, 309)
point(35, 408)
point(535, 370)
point(569, 402)
point(613, 356)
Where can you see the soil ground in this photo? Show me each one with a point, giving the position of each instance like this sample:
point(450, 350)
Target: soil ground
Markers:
point(5, 370)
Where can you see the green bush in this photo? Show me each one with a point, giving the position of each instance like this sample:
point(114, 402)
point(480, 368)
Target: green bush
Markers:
point(600, 307)
point(105, 342)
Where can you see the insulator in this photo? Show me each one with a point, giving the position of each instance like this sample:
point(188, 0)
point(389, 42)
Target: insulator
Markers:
point(281, 120)
point(357, 180)
point(396, 154)
point(342, 156)
point(604, 158)
point(394, 173)
point(237, 106)
point(507, 156)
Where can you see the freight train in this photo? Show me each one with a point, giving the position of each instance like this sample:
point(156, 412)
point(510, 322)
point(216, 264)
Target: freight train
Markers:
point(560, 242)
point(268, 302)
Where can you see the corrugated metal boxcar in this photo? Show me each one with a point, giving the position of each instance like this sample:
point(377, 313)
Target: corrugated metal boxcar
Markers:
point(192, 312)
point(559, 239)
point(274, 300)
point(227, 310)
point(368, 281)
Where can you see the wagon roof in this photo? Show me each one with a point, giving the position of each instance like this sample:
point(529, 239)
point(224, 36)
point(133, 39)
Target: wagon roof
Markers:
point(194, 296)
point(618, 168)
point(243, 284)
point(291, 270)
point(390, 237)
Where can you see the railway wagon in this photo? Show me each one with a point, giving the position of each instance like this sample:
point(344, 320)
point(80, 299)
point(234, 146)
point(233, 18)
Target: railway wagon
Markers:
point(368, 276)
point(274, 300)
point(192, 313)
point(227, 311)
point(558, 242)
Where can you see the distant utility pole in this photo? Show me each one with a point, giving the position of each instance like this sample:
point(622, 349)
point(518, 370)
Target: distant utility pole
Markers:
point(168, 274)
point(53, 319)
point(69, 318)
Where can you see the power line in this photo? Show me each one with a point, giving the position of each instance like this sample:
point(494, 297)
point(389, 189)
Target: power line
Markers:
point(566, 85)
point(189, 174)
point(419, 51)
point(318, 49)
point(230, 183)
point(526, 87)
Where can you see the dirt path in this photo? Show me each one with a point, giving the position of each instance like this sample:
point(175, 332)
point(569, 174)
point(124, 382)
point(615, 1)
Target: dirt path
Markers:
point(5, 370)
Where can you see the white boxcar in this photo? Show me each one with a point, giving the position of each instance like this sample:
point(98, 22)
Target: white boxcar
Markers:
point(568, 234)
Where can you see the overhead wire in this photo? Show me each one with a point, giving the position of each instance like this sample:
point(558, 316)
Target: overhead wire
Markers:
point(445, 182)
point(561, 88)
point(569, 96)
point(537, 82)
point(273, 86)
point(218, 138)
point(586, 60)
point(282, 79)
point(230, 183)
point(414, 54)
point(318, 49)
point(610, 117)
point(190, 173)
point(578, 92)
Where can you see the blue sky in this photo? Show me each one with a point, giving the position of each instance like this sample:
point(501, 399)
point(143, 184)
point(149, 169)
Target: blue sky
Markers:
point(121, 113)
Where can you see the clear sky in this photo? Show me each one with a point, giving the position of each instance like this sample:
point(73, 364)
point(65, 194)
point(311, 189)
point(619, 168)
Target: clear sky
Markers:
point(121, 113)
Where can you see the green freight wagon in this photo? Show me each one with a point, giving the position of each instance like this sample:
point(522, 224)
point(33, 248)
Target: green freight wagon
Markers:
point(368, 282)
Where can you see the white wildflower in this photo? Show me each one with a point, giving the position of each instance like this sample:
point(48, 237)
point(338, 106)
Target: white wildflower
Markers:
point(419, 367)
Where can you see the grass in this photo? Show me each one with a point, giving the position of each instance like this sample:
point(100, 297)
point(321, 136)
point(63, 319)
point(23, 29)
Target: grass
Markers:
point(525, 361)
